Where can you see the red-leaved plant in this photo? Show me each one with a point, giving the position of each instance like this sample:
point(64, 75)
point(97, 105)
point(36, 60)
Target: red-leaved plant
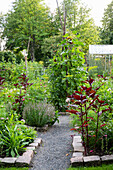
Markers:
point(19, 99)
point(82, 102)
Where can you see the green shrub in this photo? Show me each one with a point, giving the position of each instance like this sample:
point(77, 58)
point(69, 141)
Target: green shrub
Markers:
point(39, 114)
point(7, 56)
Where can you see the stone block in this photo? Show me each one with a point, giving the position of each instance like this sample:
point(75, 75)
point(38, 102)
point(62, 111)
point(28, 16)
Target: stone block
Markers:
point(1, 163)
point(9, 160)
point(38, 140)
point(107, 159)
point(75, 144)
point(1, 159)
point(28, 153)
point(77, 154)
point(42, 129)
point(78, 149)
point(23, 161)
point(34, 145)
point(92, 160)
point(30, 148)
point(77, 139)
point(77, 161)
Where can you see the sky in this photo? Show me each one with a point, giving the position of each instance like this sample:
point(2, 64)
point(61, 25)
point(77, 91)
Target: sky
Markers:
point(97, 7)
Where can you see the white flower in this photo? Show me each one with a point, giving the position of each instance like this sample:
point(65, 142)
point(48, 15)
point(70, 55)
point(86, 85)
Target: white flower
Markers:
point(22, 120)
point(68, 100)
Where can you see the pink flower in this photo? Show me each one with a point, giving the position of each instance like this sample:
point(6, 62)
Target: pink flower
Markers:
point(105, 135)
point(91, 151)
point(23, 99)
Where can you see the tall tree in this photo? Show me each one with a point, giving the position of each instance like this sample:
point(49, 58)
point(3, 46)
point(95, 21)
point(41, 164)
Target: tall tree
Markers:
point(107, 25)
point(28, 22)
point(89, 33)
point(77, 19)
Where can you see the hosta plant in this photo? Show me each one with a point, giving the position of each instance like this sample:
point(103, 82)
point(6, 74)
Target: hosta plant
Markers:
point(90, 111)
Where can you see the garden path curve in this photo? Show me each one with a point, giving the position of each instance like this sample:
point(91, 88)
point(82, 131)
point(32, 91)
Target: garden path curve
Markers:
point(56, 150)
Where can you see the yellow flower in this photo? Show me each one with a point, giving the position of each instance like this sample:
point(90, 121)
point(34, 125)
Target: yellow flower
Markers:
point(41, 62)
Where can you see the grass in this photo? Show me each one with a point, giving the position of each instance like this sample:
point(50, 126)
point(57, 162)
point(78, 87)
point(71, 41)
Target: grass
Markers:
point(13, 168)
point(103, 167)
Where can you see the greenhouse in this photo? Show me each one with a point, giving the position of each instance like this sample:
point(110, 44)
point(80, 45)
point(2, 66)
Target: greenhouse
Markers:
point(100, 58)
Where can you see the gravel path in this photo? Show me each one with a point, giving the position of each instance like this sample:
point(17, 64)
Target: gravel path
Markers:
point(56, 150)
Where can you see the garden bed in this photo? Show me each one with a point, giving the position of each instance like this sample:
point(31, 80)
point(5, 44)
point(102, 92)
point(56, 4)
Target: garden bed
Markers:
point(78, 158)
point(25, 159)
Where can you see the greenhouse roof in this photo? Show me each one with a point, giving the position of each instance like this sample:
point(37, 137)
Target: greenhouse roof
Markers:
point(101, 49)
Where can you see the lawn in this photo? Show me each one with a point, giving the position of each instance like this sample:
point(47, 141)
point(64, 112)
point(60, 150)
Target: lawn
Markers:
point(103, 167)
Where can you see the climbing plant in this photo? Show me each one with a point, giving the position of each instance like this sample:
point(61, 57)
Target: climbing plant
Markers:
point(66, 70)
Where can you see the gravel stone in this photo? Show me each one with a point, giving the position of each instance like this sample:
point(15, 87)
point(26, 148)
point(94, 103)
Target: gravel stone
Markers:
point(56, 150)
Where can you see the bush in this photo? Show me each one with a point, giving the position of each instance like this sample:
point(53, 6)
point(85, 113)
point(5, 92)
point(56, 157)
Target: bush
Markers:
point(39, 114)
point(7, 56)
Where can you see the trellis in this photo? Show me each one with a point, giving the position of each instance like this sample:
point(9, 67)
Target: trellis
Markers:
point(101, 51)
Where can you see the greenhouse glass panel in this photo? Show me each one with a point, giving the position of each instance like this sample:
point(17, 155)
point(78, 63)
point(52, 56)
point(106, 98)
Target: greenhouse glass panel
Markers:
point(101, 49)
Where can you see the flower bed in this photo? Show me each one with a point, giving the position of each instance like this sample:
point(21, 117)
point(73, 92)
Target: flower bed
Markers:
point(23, 160)
point(93, 117)
point(78, 158)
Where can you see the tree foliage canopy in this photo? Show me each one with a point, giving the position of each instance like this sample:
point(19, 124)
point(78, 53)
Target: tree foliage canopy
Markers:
point(28, 22)
point(107, 25)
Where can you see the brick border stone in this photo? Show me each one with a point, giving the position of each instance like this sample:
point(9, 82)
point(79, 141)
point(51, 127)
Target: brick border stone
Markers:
point(25, 159)
point(78, 158)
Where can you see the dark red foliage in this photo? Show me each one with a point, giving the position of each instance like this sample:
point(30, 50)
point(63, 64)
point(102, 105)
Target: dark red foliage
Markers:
point(19, 100)
point(72, 111)
point(86, 99)
point(2, 80)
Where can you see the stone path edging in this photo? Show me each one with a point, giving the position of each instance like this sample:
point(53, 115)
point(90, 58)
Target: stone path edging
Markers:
point(25, 159)
point(79, 160)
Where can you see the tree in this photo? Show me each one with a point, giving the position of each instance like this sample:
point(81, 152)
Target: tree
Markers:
point(89, 33)
point(107, 25)
point(28, 23)
point(77, 18)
